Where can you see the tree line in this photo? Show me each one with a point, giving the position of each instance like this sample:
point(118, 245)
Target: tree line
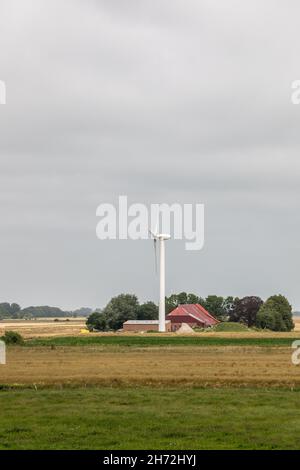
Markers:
point(14, 311)
point(274, 314)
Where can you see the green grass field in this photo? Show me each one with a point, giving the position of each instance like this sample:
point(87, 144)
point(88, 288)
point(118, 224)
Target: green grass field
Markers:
point(230, 326)
point(156, 341)
point(150, 418)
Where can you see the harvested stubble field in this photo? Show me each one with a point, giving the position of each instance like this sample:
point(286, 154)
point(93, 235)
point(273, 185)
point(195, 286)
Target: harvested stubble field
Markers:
point(44, 328)
point(158, 365)
point(297, 323)
point(215, 359)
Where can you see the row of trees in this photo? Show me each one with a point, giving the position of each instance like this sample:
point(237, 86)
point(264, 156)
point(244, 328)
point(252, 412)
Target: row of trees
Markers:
point(273, 314)
point(14, 311)
point(9, 310)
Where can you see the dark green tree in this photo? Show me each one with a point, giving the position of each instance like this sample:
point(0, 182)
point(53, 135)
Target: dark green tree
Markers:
point(193, 299)
point(4, 310)
point(12, 337)
point(97, 321)
point(9, 310)
point(15, 310)
point(182, 298)
point(147, 311)
point(268, 319)
point(215, 306)
point(121, 308)
point(171, 303)
point(276, 314)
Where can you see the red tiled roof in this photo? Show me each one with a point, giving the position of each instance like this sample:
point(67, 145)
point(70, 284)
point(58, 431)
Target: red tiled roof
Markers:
point(194, 310)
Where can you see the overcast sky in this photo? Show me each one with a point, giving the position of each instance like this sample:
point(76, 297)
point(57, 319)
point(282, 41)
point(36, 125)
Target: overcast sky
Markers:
point(163, 101)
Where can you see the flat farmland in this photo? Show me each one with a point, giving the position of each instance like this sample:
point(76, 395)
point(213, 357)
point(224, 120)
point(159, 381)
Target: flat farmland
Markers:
point(43, 328)
point(56, 354)
point(120, 391)
point(42, 366)
point(297, 323)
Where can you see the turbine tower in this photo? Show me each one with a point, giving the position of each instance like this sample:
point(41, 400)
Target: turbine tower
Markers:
point(161, 237)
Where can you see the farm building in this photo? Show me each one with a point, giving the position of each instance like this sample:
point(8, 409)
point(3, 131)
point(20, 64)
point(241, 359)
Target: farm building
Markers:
point(193, 314)
point(144, 325)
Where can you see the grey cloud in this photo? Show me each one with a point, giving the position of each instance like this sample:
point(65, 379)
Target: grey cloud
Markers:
point(162, 101)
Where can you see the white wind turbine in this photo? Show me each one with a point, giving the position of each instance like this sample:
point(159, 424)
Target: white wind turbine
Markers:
point(161, 237)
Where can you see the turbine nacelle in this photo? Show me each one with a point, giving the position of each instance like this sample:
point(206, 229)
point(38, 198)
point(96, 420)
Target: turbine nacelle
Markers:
point(163, 236)
point(160, 236)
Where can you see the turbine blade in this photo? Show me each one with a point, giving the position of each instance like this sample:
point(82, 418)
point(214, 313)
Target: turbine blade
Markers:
point(155, 232)
point(155, 254)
